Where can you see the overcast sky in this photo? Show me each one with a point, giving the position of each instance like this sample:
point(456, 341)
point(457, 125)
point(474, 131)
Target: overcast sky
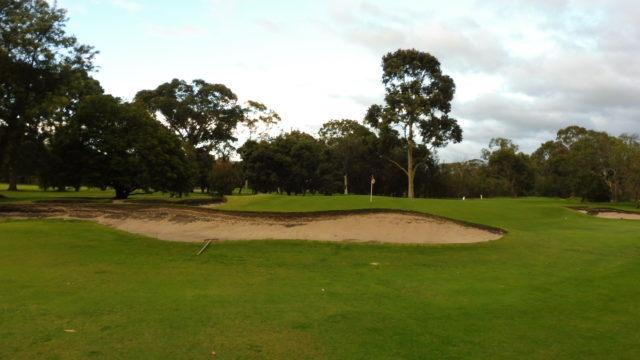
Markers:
point(523, 69)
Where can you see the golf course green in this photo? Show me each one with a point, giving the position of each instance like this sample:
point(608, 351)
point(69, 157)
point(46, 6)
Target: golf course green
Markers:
point(559, 285)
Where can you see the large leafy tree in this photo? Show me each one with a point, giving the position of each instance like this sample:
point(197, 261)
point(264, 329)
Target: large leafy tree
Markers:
point(596, 175)
point(258, 119)
point(551, 161)
point(40, 65)
point(294, 162)
point(224, 177)
point(417, 106)
point(205, 116)
point(629, 154)
point(119, 145)
point(506, 163)
point(352, 147)
point(262, 166)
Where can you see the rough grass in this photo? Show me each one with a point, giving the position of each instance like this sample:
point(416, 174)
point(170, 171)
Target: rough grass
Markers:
point(559, 285)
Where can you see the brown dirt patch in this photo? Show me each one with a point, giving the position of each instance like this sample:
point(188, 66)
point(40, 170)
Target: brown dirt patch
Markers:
point(183, 223)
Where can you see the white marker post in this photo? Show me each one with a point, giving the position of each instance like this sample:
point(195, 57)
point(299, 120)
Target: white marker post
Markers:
point(373, 181)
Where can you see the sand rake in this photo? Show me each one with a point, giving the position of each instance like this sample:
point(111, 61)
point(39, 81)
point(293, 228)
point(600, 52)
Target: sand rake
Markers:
point(208, 241)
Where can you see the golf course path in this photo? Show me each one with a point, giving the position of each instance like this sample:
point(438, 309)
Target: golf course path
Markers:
point(194, 224)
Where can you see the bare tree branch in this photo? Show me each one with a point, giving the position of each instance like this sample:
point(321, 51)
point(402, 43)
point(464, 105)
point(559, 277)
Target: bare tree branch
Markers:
point(398, 165)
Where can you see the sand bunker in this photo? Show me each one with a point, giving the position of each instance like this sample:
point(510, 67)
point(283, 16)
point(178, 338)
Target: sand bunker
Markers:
point(611, 214)
point(187, 224)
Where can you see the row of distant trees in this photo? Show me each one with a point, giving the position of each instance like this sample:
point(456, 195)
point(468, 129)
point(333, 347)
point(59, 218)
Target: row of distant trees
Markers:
point(58, 127)
point(592, 165)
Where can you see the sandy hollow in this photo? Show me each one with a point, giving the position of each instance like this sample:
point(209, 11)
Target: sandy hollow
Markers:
point(612, 214)
point(195, 225)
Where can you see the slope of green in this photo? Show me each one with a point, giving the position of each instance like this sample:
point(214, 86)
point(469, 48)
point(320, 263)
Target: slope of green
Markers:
point(559, 285)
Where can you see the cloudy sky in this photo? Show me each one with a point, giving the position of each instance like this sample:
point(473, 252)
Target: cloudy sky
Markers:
point(523, 69)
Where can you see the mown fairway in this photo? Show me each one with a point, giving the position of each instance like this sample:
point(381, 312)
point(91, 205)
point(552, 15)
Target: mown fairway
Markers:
point(559, 285)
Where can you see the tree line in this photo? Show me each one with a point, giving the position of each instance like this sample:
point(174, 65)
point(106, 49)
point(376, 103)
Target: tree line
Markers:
point(588, 164)
point(57, 127)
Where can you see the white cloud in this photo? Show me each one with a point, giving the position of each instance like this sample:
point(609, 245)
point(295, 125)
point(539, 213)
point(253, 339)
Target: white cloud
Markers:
point(523, 69)
point(222, 8)
point(126, 4)
point(268, 25)
point(176, 32)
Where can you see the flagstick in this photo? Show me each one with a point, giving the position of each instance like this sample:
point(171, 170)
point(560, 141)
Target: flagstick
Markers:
point(371, 195)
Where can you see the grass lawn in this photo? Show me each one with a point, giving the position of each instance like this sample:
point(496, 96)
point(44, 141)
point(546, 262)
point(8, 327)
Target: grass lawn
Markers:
point(27, 193)
point(559, 285)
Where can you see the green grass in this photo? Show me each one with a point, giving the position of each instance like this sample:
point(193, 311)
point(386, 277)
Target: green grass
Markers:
point(31, 193)
point(559, 285)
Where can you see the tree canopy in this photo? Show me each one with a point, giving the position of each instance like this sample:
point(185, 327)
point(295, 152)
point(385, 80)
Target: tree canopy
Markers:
point(507, 164)
point(203, 115)
point(206, 117)
point(417, 106)
point(353, 147)
point(293, 162)
point(119, 145)
point(40, 65)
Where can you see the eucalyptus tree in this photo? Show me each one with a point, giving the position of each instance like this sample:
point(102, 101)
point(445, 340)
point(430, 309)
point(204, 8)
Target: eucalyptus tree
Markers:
point(553, 169)
point(417, 106)
point(352, 145)
point(506, 163)
point(203, 115)
point(258, 116)
point(206, 117)
point(596, 174)
point(39, 67)
point(630, 155)
point(118, 145)
point(294, 162)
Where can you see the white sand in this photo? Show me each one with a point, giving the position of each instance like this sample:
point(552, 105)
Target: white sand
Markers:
point(377, 227)
point(614, 215)
point(184, 224)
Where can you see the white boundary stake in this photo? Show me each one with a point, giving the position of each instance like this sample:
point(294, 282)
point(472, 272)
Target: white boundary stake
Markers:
point(205, 246)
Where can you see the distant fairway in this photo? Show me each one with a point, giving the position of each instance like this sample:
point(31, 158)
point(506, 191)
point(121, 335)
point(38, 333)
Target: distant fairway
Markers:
point(559, 285)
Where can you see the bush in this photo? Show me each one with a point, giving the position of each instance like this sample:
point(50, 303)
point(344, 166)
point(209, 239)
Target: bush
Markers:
point(224, 177)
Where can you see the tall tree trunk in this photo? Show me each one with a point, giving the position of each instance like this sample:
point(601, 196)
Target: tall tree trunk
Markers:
point(13, 179)
point(122, 193)
point(411, 173)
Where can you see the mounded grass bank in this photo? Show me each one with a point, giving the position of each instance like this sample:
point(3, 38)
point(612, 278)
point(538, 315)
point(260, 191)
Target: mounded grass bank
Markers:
point(559, 285)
